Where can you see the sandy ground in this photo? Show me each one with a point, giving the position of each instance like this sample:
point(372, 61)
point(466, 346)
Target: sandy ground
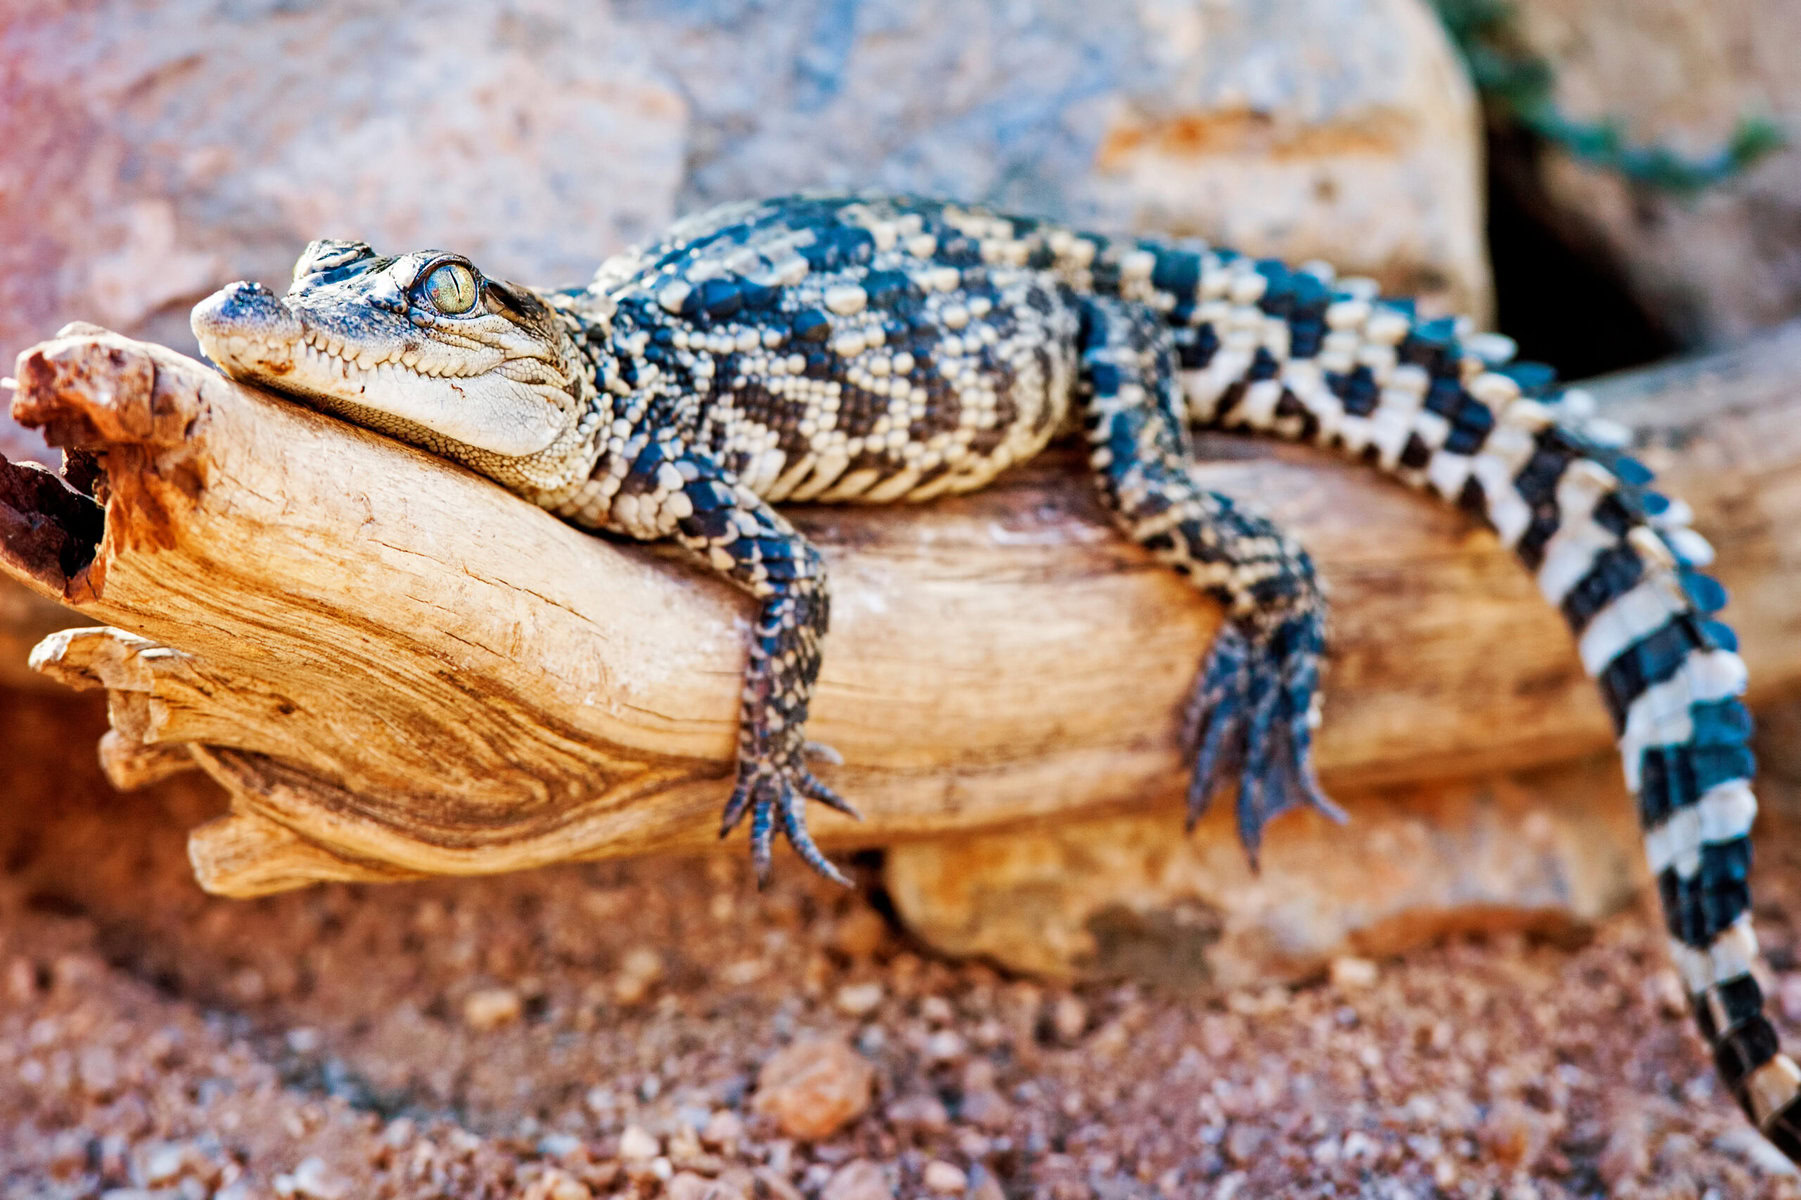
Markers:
point(658, 1028)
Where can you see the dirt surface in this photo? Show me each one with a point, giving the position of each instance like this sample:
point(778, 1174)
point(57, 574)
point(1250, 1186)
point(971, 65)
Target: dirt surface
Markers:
point(658, 1028)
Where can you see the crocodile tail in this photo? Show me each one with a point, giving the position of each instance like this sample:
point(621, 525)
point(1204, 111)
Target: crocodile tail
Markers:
point(1307, 357)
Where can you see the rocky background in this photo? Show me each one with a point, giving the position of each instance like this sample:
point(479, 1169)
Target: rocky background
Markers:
point(658, 1029)
point(154, 152)
point(1709, 267)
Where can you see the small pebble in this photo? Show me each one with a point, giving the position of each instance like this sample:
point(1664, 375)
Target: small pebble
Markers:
point(629, 991)
point(1666, 989)
point(639, 972)
point(98, 1069)
point(774, 1185)
point(946, 1046)
point(944, 1178)
point(986, 1109)
point(644, 961)
point(22, 980)
point(559, 1145)
point(984, 1186)
point(858, 1179)
point(68, 1153)
point(814, 1087)
point(489, 1008)
point(1755, 1149)
point(163, 1163)
point(1349, 974)
point(557, 1184)
point(858, 999)
point(1069, 1017)
point(315, 1180)
point(723, 1130)
point(1512, 1133)
point(859, 933)
point(1626, 1157)
point(1244, 1141)
point(639, 1143)
point(1219, 1034)
point(686, 1185)
point(920, 1111)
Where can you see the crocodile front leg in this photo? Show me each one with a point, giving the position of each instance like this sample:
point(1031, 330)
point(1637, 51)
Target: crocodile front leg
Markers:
point(735, 533)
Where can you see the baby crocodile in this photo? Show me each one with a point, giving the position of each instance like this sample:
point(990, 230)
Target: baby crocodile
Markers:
point(882, 348)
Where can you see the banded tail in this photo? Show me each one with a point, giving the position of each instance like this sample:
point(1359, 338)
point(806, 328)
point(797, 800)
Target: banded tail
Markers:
point(1300, 355)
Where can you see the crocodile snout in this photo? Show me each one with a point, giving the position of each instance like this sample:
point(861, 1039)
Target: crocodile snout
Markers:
point(246, 327)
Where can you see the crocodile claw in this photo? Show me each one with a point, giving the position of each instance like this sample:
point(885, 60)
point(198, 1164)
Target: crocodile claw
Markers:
point(776, 797)
point(1250, 721)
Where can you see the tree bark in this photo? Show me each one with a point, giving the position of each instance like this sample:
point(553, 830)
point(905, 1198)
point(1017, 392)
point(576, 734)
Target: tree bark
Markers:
point(396, 668)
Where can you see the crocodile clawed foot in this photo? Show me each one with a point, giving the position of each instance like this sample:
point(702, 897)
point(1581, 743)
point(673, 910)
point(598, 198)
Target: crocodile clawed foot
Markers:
point(1250, 721)
point(775, 796)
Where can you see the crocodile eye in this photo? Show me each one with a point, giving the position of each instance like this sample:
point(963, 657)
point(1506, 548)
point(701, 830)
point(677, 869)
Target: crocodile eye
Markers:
point(451, 289)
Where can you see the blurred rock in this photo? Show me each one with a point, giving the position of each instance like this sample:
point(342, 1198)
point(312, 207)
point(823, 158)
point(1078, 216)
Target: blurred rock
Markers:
point(944, 1179)
point(1129, 896)
point(487, 1009)
point(920, 1112)
point(555, 1184)
point(814, 1088)
point(1711, 267)
point(639, 1144)
point(689, 1186)
point(314, 1179)
point(859, 1179)
point(858, 999)
point(153, 152)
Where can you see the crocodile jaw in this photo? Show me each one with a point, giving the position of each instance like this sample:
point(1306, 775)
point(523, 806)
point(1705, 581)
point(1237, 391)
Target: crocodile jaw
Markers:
point(376, 370)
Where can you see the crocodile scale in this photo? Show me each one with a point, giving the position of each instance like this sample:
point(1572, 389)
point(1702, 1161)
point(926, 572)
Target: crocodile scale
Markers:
point(876, 348)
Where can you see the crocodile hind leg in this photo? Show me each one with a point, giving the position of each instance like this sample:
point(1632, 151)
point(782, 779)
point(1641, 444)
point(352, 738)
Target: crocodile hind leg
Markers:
point(1255, 704)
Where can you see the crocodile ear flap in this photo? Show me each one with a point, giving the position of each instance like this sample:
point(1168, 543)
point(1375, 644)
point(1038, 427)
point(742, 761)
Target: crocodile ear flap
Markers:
point(514, 301)
point(330, 256)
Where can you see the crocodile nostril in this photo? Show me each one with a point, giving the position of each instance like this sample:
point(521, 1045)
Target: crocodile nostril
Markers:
point(246, 300)
point(238, 310)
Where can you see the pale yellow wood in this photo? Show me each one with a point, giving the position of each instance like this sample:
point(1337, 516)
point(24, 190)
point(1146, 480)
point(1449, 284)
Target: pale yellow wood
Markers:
point(245, 854)
point(408, 670)
point(131, 764)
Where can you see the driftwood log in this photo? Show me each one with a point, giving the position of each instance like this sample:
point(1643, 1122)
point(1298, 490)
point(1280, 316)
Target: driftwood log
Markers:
point(395, 668)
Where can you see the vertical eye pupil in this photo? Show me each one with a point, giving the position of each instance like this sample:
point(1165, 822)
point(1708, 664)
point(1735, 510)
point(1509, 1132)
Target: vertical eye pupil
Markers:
point(451, 289)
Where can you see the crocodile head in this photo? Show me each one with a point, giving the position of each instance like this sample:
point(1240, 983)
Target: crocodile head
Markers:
point(421, 347)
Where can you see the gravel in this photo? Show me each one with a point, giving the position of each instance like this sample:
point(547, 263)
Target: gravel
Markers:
point(662, 1029)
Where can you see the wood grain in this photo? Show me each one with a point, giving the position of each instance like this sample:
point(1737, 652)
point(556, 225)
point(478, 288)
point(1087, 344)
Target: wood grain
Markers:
point(396, 668)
